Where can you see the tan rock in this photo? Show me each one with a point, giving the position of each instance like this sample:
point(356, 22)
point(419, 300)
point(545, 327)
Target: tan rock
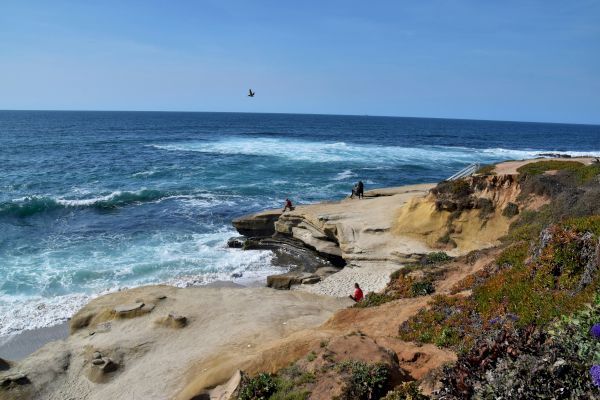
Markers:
point(173, 321)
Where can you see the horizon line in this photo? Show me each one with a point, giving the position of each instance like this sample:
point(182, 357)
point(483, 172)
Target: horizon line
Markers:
point(291, 113)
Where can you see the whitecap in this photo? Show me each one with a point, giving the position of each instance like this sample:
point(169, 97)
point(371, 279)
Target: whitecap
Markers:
point(318, 151)
point(344, 175)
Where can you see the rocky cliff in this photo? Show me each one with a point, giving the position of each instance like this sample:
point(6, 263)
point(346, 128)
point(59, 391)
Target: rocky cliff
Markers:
point(353, 231)
point(464, 215)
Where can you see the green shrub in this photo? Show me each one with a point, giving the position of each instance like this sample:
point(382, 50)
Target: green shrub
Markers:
point(421, 288)
point(584, 224)
point(510, 210)
point(486, 170)
point(588, 173)
point(450, 321)
point(437, 257)
point(259, 387)
point(527, 363)
point(406, 391)
point(539, 167)
point(456, 189)
point(367, 381)
point(485, 207)
point(373, 299)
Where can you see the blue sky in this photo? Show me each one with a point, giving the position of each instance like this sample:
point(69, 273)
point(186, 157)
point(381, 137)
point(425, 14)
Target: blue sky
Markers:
point(510, 60)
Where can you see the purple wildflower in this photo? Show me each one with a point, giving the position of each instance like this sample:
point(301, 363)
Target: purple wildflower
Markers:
point(512, 316)
point(595, 331)
point(494, 321)
point(595, 372)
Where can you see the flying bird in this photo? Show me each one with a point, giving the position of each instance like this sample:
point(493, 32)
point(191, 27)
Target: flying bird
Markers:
point(250, 93)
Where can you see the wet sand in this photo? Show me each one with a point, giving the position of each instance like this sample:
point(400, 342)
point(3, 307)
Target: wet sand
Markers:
point(18, 346)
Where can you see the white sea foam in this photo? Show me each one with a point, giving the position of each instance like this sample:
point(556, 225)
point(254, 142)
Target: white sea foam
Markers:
point(18, 314)
point(199, 260)
point(88, 202)
point(299, 150)
point(344, 175)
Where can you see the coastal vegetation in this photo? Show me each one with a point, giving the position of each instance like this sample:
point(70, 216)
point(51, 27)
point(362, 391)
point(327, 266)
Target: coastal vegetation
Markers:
point(527, 323)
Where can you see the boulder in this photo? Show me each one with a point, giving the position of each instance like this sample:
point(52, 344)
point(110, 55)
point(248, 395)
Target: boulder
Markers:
point(101, 370)
point(281, 281)
point(285, 281)
point(236, 242)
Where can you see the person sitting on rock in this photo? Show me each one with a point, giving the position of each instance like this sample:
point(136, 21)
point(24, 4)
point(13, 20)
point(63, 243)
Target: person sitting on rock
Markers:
point(358, 293)
point(354, 191)
point(288, 205)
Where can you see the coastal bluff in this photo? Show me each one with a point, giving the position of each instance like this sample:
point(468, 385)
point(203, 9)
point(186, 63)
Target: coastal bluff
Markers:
point(358, 231)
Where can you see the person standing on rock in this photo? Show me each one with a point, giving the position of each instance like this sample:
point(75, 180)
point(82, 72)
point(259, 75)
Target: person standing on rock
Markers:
point(288, 205)
point(358, 293)
point(360, 190)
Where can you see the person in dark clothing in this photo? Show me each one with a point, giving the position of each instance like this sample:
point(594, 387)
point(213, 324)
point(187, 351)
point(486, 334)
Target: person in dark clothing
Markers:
point(288, 205)
point(360, 190)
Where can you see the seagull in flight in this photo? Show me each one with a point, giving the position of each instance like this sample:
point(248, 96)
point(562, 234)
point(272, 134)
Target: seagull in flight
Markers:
point(250, 93)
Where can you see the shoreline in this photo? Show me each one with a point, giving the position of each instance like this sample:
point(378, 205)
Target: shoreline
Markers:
point(337, 285)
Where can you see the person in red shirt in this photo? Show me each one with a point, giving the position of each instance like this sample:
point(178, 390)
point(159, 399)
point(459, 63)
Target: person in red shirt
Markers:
point(358, 293)
point(288, 205)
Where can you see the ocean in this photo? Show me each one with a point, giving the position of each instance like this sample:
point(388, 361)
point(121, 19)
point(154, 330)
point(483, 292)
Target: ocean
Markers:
point(92, 202)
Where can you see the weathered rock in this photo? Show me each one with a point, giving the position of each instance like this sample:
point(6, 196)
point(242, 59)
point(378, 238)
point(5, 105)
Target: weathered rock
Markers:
point(17, 379)
point(101, 370)
point(4, 365)
point(236, 242)
point(148, 307)
point(173, 321)
point(257, 225)
point(96, 355)
point(281, 282)
point(326, 271)
point(311, 280)
point(126, 309)
point(226, 391)
point(109, 365)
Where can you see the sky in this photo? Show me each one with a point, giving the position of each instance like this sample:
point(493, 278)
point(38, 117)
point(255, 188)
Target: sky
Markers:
point(510, 60)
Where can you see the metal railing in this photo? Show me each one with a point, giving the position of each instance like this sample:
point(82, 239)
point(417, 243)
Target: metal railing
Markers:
point(466, 171)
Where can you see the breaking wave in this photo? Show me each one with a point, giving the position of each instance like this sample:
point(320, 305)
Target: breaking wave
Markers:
point(27, 206)
point(315, 151)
